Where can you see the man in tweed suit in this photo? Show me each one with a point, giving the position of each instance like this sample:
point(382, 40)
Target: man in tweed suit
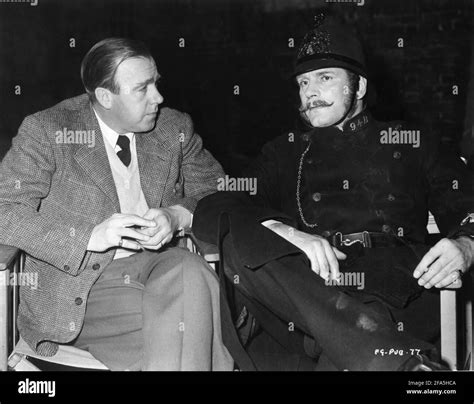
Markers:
point(93, 190)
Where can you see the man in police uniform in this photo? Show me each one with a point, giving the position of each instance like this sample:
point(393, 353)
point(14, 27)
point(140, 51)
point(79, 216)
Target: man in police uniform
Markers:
point(353, 195)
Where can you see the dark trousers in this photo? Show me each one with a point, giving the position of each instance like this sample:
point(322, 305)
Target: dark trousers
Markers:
point(352, 330)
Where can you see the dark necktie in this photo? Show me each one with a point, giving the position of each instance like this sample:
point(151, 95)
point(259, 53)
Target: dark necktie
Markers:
point(124, 154)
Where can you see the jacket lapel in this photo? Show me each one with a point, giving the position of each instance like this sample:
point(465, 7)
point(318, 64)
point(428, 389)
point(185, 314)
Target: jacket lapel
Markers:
point(94, 160)
point(154, 162)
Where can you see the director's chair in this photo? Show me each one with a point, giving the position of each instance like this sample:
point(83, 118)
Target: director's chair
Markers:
point(15, 354)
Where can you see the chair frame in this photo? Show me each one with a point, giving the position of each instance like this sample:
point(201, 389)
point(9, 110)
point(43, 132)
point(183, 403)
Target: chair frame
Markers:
point(11, 262)
point(457, 337)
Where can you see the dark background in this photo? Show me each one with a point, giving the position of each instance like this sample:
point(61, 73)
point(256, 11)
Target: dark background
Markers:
point(244, 43)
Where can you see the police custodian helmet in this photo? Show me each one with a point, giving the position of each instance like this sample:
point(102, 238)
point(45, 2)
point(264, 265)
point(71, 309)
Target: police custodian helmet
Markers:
point(330, 44)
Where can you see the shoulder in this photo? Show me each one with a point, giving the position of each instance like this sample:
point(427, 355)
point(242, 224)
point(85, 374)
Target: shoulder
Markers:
point(70, 107)
point(407, 135)
point(172, 125)
point(283, 144)
point(65, 114)
point(170, 118)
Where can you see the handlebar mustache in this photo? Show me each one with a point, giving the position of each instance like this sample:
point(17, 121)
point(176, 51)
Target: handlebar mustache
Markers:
point(315, 104)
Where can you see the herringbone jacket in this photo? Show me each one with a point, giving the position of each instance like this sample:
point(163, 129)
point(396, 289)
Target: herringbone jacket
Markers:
point(52, 195)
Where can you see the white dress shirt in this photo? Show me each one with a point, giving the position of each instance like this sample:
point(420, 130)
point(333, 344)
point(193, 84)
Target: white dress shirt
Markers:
point(127, 179)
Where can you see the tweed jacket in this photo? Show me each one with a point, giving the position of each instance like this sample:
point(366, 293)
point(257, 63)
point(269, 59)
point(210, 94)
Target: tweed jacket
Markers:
point(53, 193)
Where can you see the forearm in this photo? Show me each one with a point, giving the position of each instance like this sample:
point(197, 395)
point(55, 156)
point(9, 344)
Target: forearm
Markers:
point(183, 217)
point(283, 230)
point(466, 245)
point(240, 207)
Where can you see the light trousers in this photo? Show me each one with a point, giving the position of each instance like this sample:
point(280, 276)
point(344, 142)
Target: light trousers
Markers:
point(156, 311)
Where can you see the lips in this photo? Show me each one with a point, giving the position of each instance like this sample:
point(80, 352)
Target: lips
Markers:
point(318, 105)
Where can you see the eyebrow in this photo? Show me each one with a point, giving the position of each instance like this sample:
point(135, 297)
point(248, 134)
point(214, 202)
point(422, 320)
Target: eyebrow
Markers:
point(320, 73)
point(154, 79)
point(326, 71)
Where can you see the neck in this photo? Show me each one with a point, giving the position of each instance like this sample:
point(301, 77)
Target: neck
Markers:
point(108, 118)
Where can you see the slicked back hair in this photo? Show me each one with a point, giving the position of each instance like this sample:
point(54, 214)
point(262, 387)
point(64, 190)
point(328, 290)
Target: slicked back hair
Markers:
point(100, 64)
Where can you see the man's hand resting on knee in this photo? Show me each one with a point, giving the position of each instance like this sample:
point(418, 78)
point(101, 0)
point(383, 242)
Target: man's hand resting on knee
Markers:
point(321, 254)
point(445, 263)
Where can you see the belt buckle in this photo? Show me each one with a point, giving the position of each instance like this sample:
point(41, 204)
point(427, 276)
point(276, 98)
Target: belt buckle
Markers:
point(365, 240)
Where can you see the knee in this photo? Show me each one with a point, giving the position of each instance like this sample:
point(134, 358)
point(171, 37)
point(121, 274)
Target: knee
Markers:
point(197, 270)
point(191, 263)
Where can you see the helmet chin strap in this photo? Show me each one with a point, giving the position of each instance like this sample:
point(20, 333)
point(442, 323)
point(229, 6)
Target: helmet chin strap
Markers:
point(351, 110)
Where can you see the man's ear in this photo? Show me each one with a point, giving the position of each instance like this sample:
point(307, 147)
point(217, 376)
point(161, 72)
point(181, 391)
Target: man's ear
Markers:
point(362, 88)
point(104, 97)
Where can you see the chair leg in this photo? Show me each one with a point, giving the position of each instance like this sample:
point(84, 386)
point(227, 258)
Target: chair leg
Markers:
point(4, 320)
point(469, 335)
point(449, 328)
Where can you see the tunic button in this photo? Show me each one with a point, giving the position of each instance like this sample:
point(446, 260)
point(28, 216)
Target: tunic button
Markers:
point(378, 213)
point(391, 197)
point(316, 197)
point(78, 301)
point(309, 161)
point(326, 233)
point(66, 267)
point(397, 155)
point(386, 228)
point(95, 267)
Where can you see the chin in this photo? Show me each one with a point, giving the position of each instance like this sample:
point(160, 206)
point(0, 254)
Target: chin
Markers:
point(146, 128)
point(321, 123)
point(319, 120)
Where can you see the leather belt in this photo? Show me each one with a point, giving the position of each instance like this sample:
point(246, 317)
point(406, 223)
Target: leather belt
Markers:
point(366, 238)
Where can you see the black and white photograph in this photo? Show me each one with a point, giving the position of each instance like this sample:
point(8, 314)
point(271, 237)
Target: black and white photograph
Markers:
point(241, 193)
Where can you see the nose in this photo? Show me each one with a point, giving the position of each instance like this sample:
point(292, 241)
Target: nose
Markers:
point(312, 89)
point(155, 96)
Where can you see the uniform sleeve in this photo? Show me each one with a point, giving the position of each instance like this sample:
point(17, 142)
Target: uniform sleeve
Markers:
point(266, 172)
point(451, 191)
point(247, 210)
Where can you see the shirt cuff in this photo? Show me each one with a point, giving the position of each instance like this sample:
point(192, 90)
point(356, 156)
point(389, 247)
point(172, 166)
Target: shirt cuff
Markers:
point(268, 223)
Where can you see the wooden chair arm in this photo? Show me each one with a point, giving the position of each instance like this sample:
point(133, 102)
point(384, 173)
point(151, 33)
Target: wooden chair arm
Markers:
point(208, 251)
